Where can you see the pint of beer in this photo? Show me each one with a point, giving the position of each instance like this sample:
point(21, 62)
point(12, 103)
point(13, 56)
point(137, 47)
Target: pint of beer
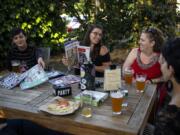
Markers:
point(140, 82)
point(117, 100)
point(15, 65)
point(128, 75)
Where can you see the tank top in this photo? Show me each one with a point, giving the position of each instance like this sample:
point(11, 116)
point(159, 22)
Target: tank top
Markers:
point(152, 70)
point(99, 60)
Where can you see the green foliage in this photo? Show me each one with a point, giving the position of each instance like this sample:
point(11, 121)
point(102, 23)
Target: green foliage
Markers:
point(122, 20)
point(40, 19)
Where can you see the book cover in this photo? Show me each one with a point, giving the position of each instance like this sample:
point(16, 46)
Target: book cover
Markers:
point(71, 52)
point(83, 54)
point(98, 97)
point(65, 80)
point(35, 76)
point(12, 80)
point(54, 74)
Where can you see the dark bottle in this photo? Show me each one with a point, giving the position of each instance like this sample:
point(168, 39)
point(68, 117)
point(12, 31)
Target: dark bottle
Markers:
point(87, 73)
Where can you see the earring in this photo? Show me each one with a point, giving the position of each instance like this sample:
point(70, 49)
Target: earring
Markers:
point(169, 86)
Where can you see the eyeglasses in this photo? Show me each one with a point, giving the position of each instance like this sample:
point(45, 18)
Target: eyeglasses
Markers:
point(96, 33)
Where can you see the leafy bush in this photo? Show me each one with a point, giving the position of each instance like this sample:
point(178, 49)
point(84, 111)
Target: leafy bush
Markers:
point(122, 20)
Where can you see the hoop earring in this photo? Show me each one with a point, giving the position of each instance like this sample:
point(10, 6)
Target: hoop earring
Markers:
point(169, 86)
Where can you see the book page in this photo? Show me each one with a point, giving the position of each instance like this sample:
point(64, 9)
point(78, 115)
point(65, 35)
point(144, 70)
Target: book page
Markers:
point(112, 79)
point(83, 54)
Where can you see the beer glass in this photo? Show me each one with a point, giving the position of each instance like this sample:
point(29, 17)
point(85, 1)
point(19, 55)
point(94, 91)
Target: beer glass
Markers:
point(15, 65)
point(86, 99)
point(128, 75)
point(140, 82)
point(117, 100)
point(2, 114)
point(23, 67)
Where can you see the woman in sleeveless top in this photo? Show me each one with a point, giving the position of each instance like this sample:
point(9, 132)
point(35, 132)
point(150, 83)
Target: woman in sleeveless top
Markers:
point(145, 59)
point(152, 69)
point(99, 53)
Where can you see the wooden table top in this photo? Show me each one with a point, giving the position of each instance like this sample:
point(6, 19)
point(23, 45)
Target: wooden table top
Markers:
point(24, 104)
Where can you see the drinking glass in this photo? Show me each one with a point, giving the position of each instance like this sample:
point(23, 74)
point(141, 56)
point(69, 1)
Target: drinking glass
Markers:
point(117, 100)
point(128, 75)
point(2, 114)
point(23, 67)
point(140, 82)
point(87, 98)
point(15, 65)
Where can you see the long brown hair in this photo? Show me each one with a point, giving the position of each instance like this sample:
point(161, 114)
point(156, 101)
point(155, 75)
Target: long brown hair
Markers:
point(155, 35)
point(96, 50)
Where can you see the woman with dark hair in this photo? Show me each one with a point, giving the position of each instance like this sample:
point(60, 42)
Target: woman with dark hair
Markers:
point(22, 52)
point(168, 119)
point(99, 53)
point(145, 59)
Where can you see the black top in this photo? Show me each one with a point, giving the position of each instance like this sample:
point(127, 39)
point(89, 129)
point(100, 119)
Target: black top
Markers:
point(168, 121)
point(97, 62)
point(100, 59)
point(28, 56)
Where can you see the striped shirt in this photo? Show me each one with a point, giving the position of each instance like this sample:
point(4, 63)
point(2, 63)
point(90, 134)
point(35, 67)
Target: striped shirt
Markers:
point(29, 56)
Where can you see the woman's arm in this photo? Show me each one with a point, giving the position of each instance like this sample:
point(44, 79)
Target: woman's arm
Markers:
point(130, 58)
point(103, 67)
point(156, 80)
point(103, 51)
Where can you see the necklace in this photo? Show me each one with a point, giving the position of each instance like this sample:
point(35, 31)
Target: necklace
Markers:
point(152, 61)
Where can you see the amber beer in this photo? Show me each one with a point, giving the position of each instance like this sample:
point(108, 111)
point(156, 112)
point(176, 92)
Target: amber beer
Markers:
point(140, 83)
point(117, 100)
point(128, 75)
point(15, 66)
point(128, 78)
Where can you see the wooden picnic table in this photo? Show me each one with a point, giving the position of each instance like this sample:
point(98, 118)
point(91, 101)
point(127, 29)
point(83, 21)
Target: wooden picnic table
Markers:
point(18, 103)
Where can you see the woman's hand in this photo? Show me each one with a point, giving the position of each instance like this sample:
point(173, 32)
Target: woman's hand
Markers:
point(148, 81)
point(41, 62)
point(65, 61)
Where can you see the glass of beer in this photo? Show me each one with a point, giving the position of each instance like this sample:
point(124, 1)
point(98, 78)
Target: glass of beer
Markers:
point(15, 65)
point(87, 98)
point(117, 100)
point(23, 67)
point(2, 114)
point(140, 82)
point(128, 75)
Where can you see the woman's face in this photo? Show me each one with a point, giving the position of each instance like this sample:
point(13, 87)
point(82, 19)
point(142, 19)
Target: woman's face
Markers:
point(95, 36)
point(165, 69)
point(20, 40)
point(145, 43)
